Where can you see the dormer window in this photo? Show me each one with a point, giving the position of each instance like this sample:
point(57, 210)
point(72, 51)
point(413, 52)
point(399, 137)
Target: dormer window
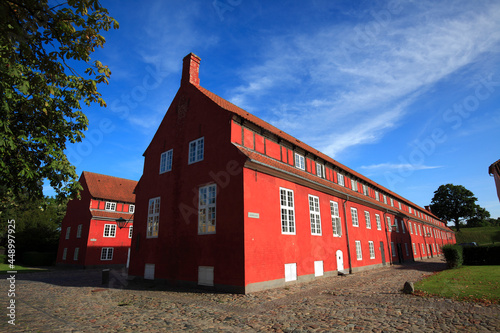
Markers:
point(110, 206)
point(340, 179)
point(320, 170)
point(300, 162)
point(354, 185)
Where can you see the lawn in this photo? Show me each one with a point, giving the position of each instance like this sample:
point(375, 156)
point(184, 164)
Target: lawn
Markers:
point(467, 283)
point(482, 235)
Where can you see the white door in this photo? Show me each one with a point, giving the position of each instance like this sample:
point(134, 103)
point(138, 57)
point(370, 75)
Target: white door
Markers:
point(318, 268)
point(340, 261)
point(290, 272)
point(149, 271)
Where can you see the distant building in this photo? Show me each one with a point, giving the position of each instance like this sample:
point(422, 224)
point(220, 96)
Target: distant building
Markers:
point(90, 235)
point(494, 170)
point(231, 202)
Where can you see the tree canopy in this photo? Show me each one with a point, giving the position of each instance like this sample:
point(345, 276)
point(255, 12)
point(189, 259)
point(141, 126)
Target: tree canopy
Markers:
point(41, 47)
point(457, 204)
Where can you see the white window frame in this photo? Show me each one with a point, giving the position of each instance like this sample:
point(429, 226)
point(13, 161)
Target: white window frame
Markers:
point(336, 222)
point(75, 254)
point(340, 179)
point(399, 204)
point(423, 248)
point(409, 209)
point(354, 217)
point(406, 250)
point(166, 159)
point(410, 227)
point(378, 221)
point(392, 202)
point(287, 211)
point(196, 150)
point(153, 223)
point(79, 231)
point(314, 215)
point(393, 249)
point(365, 190)
point(65, 253)
point(300, 161)
point(371, 246)
point(130, 231)
point(396, 224)
point(368, 220)
point(207, 209)
point(68, 231)
point(388, 218)
point(131, 208)
point(107, 253)
point(109, 231)
point(111, 206)
point(414, 249)
point(403, 226)
point(359, 251)
point(320, 170)
point(377, 196)
point(385, 198)
point(354, 185)
point(419, 230)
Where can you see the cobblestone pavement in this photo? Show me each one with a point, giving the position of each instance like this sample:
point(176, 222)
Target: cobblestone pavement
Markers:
point(75, 301)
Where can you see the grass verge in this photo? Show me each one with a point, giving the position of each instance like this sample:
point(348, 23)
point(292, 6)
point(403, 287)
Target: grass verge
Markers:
point(467, 283)
point(20, 269)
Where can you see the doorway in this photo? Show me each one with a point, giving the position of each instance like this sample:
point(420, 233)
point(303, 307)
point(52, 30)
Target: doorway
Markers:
point(340, 261)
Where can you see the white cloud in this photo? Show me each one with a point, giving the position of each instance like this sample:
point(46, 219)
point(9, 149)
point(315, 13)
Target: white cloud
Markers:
point(388, 167)
point(352, 84)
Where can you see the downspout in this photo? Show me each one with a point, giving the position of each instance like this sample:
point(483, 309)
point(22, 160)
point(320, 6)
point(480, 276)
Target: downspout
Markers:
point(389, 252)
point(347, 236)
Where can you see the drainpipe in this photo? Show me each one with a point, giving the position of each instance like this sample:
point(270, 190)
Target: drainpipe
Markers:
point(347, 236)
point(389, 252)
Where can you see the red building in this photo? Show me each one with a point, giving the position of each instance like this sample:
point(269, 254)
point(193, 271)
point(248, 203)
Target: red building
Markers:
point(90, 235)
point(229, 201)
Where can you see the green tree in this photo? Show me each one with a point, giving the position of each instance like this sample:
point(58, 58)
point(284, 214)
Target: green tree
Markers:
point(454, 203)
point(481, 218)
point(42, 49)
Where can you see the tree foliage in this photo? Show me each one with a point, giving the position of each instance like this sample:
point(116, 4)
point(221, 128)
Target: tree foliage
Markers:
point(457, 204)
point(41, 48)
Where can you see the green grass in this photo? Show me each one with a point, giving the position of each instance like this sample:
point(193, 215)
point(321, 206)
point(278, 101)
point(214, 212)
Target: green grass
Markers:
point(467, 283)
point(20, 269)
point(482, 235)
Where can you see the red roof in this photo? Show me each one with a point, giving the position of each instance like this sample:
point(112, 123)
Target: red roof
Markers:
point(270, 128)
point(109, 187)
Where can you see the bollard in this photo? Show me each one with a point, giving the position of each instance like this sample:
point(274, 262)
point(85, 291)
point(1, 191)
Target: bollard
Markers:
point(105, 276)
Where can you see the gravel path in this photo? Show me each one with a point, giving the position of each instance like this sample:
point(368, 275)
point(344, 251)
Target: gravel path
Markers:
point(75, 301)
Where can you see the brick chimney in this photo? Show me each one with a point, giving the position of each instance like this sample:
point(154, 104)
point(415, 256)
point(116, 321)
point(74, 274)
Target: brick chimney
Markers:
point(191, 69)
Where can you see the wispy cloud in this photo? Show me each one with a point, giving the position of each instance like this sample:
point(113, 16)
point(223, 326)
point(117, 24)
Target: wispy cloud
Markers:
point(354, 82)
point(390, 167)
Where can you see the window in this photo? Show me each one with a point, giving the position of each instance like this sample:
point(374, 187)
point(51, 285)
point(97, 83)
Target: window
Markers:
point(359, 254)
point(300, 162)
point(290, 272)
point(287, 212)
point(416, 232)
point(320, 170)
point(406, 250)
point(414, 249)
point(365, 189)
point(206, 209)
point(206, 276)
point(166, 159)
point(109, 230)
point(196, 148)
point(318, 268)
point(423, 248)
point(367, 219)
point(336, 225)
point(131, 208)
point(68, 230)
point(130, 230)
point(377, 197)
point(340, 179)
point(354, 217)
point(372, 250)
point(354, 185)
point(110, 206)
point(392, 202)
point(314, 215)
point(153, 217)
point(409, 209)
point(396, 224)
point(107, 253)
point(393, 249)
point(65, 253)
point(385, 199)
point(149, 271)
point(420, 230)
point(75, 255)
point(379, 224)
point(409, 227)
point(403, 226)
point(389, 223)
point(79, 231)
point(399, 204)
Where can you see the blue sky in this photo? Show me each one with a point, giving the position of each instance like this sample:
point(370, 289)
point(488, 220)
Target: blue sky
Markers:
point(405, 92)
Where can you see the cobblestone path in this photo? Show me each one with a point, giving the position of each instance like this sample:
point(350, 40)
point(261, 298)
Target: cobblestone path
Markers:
point(75, 301)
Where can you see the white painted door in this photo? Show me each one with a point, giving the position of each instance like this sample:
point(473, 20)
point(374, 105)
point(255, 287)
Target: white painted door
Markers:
point(340, 261)
point(318, 268)
point(290, 272)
